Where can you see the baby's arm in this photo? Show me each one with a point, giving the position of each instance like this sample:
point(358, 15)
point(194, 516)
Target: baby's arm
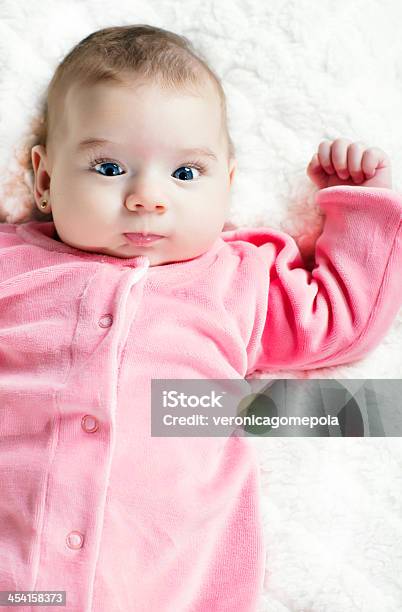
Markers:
point(341, 310)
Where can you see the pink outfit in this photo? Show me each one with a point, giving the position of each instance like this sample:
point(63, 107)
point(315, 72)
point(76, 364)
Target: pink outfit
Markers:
point(90, 503)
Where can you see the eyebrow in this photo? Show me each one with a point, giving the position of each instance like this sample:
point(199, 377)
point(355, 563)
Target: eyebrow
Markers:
point(89, 143)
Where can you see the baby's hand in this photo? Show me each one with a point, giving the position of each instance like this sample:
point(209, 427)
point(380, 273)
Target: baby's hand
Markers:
point(341, 162)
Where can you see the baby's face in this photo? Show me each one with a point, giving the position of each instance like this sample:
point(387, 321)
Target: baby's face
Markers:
point(147, 179)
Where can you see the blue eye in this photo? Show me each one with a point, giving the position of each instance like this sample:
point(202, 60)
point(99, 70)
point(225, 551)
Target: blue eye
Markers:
point(109, 171)
point(184, 172)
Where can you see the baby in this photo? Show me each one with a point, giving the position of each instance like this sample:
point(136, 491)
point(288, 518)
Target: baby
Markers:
point(128, 278)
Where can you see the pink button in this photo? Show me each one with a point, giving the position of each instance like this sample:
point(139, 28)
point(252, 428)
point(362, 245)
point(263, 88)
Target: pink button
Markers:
point(106, 320)
point(75, 539)
point(89, 423)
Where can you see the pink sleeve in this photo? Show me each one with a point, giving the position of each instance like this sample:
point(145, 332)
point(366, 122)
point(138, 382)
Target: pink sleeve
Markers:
point(342, 308)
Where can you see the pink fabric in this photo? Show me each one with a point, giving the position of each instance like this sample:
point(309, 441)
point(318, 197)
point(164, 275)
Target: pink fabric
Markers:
point(92, 504)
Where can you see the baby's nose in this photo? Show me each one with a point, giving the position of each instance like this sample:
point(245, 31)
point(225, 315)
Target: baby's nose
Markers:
point(144, 205)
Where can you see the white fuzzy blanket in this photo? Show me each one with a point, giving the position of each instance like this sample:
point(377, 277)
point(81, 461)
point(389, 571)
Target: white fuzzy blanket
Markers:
point(295, 72)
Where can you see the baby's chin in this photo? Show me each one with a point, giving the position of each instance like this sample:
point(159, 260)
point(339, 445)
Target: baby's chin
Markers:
point(156, 259)
point(166, 251)
point(156, 255)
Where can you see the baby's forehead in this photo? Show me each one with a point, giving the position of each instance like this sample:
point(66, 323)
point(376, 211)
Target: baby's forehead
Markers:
point(85, 104)
point(204, 89)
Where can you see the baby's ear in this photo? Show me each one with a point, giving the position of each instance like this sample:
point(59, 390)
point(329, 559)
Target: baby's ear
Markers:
point(232, 169)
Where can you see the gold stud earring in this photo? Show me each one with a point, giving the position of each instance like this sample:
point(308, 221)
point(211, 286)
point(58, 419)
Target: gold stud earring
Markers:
point(43, 204)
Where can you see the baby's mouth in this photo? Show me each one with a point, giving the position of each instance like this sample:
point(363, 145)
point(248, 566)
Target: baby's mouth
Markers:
point(143, 238)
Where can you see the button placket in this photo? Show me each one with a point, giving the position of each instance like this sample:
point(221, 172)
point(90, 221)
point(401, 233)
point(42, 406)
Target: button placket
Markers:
point(90, 424)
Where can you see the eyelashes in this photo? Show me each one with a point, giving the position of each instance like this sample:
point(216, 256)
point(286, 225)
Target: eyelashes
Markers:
point(197, 164)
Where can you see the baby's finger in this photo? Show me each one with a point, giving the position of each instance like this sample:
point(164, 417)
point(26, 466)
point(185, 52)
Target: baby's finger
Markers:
point(339, 157)
point(324, 156)
point(355, 154)
point(372, 159)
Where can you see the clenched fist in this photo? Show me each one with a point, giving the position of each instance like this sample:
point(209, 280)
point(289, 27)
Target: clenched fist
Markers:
point(341, 162)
